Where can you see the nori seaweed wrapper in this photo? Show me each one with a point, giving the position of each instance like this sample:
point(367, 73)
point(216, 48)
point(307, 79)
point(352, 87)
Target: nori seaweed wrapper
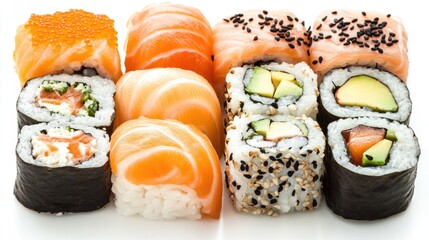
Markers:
point(362, 197)
point(25, 120)
point(324, 117)
point(62, 189)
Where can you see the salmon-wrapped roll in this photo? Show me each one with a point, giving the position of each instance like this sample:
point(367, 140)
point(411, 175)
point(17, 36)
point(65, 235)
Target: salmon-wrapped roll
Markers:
point(346, 38)
point(67, 42)
point(169, 35)
point(257, 35)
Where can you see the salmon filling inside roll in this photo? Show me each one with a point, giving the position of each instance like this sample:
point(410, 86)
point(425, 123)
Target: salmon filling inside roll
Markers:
point(63, 146)
point(61, 97)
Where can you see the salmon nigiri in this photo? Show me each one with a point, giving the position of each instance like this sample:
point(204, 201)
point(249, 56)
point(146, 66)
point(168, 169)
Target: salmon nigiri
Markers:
point(67, 42)
point(170, 93)
point(169, 35)
point(257, 35)
point(164, 169)
point(345, 38)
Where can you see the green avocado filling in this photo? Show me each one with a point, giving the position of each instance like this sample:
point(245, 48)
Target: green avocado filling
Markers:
point(365, 91)
point(274, 131)
point(273, 84)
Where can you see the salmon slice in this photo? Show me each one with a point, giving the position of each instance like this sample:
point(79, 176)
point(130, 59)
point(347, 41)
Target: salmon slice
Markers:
point(345, 38)
point(155, 152)
point(360, 139)
point(257, 35)
point(169, 35)
point(72, 97)
point(66, 42)
point(170, 93)
point(79, 146)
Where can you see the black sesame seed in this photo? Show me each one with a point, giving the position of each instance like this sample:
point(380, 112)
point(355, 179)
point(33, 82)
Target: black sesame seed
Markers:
point(293, 193)
point(261, 16)
point(314, 163)
point(364, 13)
point(226, 20)
point(279, 155)
point(242, 168)
point(297, 202)
point(315, 178)
point(277, 39)
point(342, 39)
point(320, 61)
point(273, 201)
point(254, 202)
point(238, 187)
point(308, 52)
point(291, 45)
point(249, 30)
point(288, 163)
point(270, 170)
point(388, 15)
point(305, 154)
point(248, 176)
point(334, 12)
point(314, 203)
point(328, 36)
point(230, 157)
point(369, 157)
point(296, 19)
point(265, 12)
point(272, 158)
point(255, 38)
point(234, 183)
point(250, 19)
point(280, 188)
point(290, 173)
point(265, 163)
point(270, 196)
point(259, 177)
point(236, 25)
point(296, 166)
point(274, 105)
point(324, 18)
point(314, 62)
point(257, 192)
point(289, 18)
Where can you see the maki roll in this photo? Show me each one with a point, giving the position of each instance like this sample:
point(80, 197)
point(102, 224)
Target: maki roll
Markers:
point(257, 35)
point(62, 167)
point(270, 89)
point(345, 38)
point(371, 167)
point(363, 92)
point(69, 42)
point(76, 98)
point(274, 164)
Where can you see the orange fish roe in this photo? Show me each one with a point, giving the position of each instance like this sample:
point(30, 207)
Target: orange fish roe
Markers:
point(70, 28)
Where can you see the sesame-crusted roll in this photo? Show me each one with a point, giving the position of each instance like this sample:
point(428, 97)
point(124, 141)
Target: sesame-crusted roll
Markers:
point(271, 89)
point(257, 35)
point(346, 38)
point(274, 164)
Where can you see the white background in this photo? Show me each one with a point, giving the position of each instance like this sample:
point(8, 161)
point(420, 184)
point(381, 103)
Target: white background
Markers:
point(17, 222)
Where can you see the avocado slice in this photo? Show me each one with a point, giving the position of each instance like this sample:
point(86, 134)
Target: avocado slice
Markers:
point(260, 83)
point(277, 77)
point(303, 128)
point(287, 88)
point(390, 134)
point(279, 130)
point(365, 91)
point(261, 126)
point(377, 154)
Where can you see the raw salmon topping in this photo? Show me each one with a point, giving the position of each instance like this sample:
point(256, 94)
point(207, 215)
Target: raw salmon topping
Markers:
point(360, 139)
point(71, 27)
point(63, 146)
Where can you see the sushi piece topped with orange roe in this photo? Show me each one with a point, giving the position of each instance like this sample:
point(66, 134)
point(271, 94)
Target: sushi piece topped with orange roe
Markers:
point(67, 42)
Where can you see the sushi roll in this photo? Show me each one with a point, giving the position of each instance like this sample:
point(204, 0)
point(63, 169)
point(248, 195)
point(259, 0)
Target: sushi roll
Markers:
point(163, 169)
point(363, 92)
point(348, 38)
point(270, 89)
point(257, 35)
point(62, 167)
point(371, 167)
point(76, 98)
point(69, 42)
point(274, 164)
point(169, 35)
point(171, 93)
